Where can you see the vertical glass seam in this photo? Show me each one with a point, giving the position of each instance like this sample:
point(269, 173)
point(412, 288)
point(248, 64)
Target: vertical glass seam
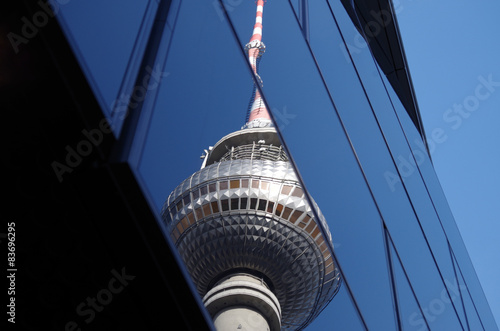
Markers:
point(473, 303)
point(453, 262)
point(390, 151)
point(392, 280)
point(407, 279)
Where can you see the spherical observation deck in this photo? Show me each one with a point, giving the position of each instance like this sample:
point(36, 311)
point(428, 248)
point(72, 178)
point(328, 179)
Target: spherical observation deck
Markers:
point(247, 213)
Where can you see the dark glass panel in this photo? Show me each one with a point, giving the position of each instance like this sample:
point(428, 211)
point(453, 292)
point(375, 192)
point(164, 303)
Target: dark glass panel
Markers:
point(206, 209)
point(253, 203)
point(169, 218)
point(203, 190)
point(215, 206)
point(184, 222)
point(270, 207)
point(179, 228)
point(196, 194)
point(286, 213)
point(175, 235)
point(243, 203)
point(296, 215)
point(224, 204)
point(223, 185)
point(199, 213)
point(235, 203)
point(191, 219)
point(279, 209)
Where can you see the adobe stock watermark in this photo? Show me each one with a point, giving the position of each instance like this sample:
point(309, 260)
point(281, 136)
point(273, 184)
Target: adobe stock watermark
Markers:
point(131, 101)
point(92, 305)
point(230, 5)
point(454, 116)
point(436, 306)
point(93, 138)
point(283, 118)
point(32, 26)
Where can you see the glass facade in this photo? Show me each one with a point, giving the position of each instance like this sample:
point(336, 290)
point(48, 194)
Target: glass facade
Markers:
point(353, 145)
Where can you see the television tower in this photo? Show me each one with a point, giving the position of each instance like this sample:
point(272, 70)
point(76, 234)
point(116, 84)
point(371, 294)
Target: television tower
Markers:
point(257, 255)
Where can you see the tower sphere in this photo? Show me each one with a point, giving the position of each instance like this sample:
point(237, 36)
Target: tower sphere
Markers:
point(245, 212)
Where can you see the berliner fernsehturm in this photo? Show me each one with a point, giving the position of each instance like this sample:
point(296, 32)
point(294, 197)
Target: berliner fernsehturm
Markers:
point(256, 253)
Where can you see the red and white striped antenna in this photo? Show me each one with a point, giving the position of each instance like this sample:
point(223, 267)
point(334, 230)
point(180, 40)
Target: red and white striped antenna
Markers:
point(258, 113)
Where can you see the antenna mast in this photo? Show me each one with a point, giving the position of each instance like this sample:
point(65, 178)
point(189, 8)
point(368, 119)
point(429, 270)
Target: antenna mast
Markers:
point(258, 115)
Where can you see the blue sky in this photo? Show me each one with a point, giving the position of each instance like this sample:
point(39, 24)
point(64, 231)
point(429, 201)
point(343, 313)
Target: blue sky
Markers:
point(452, 47)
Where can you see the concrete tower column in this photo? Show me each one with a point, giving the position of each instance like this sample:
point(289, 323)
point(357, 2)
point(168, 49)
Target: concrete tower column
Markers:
point(243, 302)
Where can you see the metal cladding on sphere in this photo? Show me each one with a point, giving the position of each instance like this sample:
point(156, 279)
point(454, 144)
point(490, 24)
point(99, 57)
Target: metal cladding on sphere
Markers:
point(245, 230)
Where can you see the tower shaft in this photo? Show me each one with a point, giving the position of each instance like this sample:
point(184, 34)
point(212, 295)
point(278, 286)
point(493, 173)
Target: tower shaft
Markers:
point(243, 302)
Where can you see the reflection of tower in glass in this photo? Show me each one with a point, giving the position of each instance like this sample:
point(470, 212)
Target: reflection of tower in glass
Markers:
point(246, 232)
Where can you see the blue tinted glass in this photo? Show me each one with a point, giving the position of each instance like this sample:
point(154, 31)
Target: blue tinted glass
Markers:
point(341, 314)
point(413, 180)
point(411, 316)
point(472, 318)
point(108, 39)
point(459, 290)
point(296, 4)
point(478, 315)
point(192, 108)
point(377, 158)
point(426, 169)
point(441, 205)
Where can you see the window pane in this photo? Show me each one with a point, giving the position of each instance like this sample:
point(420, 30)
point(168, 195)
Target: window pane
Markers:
point(109, 44)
